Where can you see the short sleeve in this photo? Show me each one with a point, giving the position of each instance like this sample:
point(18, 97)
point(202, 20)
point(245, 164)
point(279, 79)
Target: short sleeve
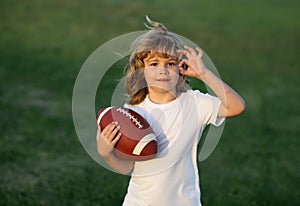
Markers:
point(208, 108)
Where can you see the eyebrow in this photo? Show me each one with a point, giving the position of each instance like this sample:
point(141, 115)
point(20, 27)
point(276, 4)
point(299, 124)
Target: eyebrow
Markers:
point(156, 59)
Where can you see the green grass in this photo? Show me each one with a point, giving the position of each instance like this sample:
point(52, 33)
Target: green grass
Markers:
point(43, 44)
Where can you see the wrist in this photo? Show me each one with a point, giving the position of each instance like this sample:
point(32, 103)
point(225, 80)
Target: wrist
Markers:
point(202, 75)
point(106, 155)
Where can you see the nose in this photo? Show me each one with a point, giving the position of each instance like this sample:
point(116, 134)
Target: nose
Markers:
point(164, 70)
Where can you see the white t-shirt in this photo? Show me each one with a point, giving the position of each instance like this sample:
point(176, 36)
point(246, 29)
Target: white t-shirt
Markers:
point(171, 178)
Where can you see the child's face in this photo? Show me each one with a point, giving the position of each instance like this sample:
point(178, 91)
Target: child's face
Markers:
point(161, 73)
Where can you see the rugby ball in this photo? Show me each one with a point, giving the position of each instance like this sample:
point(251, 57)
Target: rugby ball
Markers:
point(138, 141)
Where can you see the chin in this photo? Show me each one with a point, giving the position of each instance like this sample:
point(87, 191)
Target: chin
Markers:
point(161, 89)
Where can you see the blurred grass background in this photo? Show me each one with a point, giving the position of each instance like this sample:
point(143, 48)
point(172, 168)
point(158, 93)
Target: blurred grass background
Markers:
point(43, 44)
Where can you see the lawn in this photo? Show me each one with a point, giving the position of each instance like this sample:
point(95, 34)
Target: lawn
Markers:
point(43, 45)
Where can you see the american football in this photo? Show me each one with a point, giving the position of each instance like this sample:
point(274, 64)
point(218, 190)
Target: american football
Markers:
point(138, 141)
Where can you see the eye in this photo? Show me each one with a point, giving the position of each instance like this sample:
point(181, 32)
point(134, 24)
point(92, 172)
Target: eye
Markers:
point(172, 64)
point(154, 64)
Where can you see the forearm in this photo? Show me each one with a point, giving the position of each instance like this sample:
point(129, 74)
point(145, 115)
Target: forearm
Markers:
point(120, 165)
point(232, 103)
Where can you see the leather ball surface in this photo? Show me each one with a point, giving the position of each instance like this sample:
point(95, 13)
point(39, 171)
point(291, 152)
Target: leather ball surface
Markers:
point(138, 141)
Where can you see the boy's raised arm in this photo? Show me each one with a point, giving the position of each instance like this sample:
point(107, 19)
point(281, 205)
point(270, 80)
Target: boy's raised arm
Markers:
point(232, 103)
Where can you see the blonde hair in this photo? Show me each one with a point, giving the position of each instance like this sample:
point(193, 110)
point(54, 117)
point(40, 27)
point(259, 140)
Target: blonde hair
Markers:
point(157, 41)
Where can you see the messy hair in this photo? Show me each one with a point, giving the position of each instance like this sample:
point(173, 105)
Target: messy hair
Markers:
point(157, 41)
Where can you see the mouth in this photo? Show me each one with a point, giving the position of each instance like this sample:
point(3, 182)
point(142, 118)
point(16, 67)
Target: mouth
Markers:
point(163, 80)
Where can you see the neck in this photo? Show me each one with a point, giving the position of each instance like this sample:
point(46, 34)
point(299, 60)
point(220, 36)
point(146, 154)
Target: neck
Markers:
point(162, 98)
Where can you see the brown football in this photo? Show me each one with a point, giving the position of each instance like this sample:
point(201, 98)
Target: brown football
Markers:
point(138, 141)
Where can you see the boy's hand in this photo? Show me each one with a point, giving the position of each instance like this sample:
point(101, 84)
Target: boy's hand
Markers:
point(107, 139)
point(195, 65)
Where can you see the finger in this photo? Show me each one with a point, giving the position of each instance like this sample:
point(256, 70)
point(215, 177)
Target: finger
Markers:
point(191, 50)
point(98, 132)
point(183, 61)
point(99, 128)
point(182, 51)
point(187, 51)
point(113, 134)
point(116, 139)
point(182, 71)
point(183, 64)
point(200, 52)
point(109, 128)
